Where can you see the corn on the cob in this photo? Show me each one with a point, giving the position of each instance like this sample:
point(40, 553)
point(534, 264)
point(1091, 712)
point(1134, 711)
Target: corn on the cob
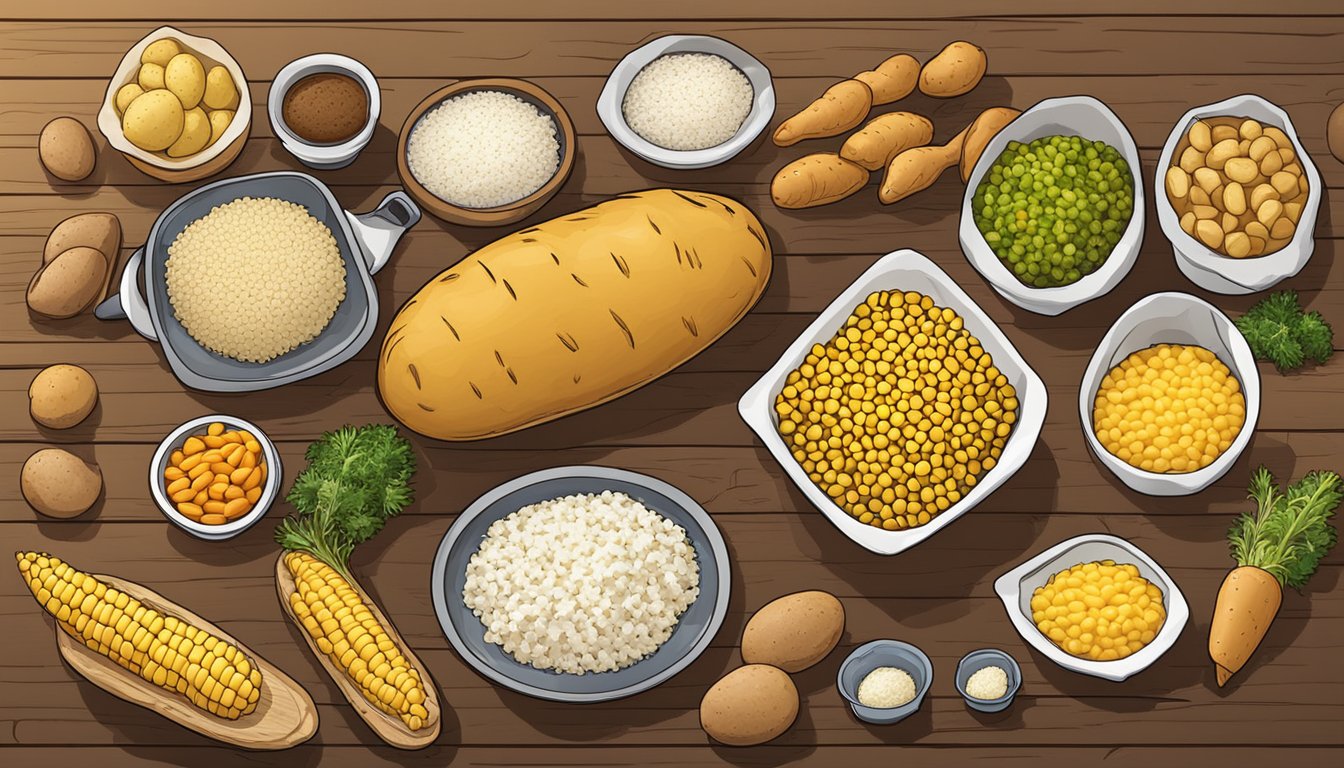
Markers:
point(335, 616)
point(162, 649)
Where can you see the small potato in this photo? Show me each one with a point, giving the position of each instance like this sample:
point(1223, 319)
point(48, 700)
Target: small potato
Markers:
point(220, 90)
point(1230, 223)
point(1255, 229)
point(1284, 183)
point(893, 79)
point(1269, 212)
point(69, 284)
point(1261, 193)
point(1258, 246)
point(750, 705)
point(219, 122)
point(1191, 160)
point(795, 631)
point(1271, 163)
point(1222, 133)
point(59, 484)
point(1222, 152)
point(1241, 170)
point(1250, 129)
point(1178, 183)
point(154, 120)
point(125, 95)
point(160, 52)
point(1279, 137)
point(66, 149)
point(61, 396)
point(150, 76)
point(1201, 136)
point(1198, 196)
point(195, 134)
point(1287, 155)
point(1188, 221)
point(1237, 245)
point(957, 69)
point(1282, 229)
point(1210, 233)
point(1207, 179)
point(1293, 211)
point(1260, 147)
point(185, 78)
point(1205, 212)
point(1234, 199)
point(816, 179)
point(886, 136)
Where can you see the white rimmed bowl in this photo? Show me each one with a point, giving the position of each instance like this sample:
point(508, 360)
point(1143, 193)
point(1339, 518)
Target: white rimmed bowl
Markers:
point(1015, 589)
point(210, 160)
point(903, 270)
point(323, 156)
point(1172, 318)
point(1209, 269)
point(612, 98)
point(1081, 116)
point(228, 530)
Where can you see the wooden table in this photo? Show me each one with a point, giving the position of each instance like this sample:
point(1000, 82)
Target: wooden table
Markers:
point(1146, 59)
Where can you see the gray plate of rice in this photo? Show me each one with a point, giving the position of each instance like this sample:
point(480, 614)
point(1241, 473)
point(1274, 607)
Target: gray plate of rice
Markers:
point(638, 643)
point(300, 255)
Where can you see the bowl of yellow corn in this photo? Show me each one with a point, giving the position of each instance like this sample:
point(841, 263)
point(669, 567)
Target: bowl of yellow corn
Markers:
point(1127, 611)
point(1171, 396)
point(900, 408)
point(215, 476)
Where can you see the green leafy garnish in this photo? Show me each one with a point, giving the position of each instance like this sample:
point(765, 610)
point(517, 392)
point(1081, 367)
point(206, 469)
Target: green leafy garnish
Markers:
point(1279, 331)
point(357, 478)
point(1289, 532)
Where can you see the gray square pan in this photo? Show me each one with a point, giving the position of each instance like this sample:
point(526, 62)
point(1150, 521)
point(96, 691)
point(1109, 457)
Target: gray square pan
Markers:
point(349, 329)
point(694, 630)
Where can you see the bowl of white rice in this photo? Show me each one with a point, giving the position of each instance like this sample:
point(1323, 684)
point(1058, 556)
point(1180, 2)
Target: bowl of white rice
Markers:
point(486, 152)
point(687, 101)
point(581, 584)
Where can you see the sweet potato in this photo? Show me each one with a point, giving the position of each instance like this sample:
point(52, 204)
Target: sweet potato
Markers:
point(1247, 603)
point(886, 136)
point(957, 69)
point(985, 127)
point(916, 169)
point(841, 107)
point(816, 179)
point(893, 80)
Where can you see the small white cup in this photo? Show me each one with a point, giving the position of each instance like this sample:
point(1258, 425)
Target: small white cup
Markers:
point(324, 157)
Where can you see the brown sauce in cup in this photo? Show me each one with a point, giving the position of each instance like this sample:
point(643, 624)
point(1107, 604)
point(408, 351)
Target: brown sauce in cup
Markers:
point(326, 108)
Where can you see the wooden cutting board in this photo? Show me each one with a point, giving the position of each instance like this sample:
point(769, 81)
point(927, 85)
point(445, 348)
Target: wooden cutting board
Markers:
point(390, 729)
point(285, 714)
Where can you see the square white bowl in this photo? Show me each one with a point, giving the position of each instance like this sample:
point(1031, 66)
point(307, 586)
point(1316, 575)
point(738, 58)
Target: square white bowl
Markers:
point(1081, 116)
point(1172, 318)
point(1209, 269)
point(903, 270)
point(612, 98)
point(1015, 589)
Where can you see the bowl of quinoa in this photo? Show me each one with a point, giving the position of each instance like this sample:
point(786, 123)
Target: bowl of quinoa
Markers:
point(687, 101)
point(486, 152)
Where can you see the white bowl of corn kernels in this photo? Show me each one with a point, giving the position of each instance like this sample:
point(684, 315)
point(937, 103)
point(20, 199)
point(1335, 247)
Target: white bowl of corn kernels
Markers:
point(242, 472)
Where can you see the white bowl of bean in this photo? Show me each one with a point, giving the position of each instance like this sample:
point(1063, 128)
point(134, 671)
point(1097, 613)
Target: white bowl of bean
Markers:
point(1087, 118)
point(1208, 268)
point(903, 270)
point(1171, 318)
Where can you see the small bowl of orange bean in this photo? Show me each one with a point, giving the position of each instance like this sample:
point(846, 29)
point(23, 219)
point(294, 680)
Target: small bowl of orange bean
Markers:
point(215, 476)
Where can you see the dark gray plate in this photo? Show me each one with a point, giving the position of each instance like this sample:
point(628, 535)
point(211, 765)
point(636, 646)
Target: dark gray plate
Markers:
point(691, 637)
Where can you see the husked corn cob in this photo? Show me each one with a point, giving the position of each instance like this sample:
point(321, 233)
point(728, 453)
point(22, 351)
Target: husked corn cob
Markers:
point(164, 650)
point(341, 624)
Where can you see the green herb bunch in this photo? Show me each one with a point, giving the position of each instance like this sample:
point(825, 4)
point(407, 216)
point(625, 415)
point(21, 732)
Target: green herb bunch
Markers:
point(357, 478)
point(1289, 532)
point(1279, 331)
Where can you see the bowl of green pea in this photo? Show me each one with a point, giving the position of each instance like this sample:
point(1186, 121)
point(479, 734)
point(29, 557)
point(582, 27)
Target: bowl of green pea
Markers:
point(1053, 211)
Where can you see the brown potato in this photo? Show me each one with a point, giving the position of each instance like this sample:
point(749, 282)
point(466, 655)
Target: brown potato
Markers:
point(62, 396)
point(816, 179)
point(841, 107)
point(59, 484)
point(69, 284)
point(893, 80)
point(100, 231)
point(66, 149)
point(956, 69)
point(886, 136)
point(1334, 133)
point(750, 705)
point(985, 127)
point(795, 631)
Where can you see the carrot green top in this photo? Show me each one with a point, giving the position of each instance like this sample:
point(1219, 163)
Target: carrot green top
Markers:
point(1289, 532)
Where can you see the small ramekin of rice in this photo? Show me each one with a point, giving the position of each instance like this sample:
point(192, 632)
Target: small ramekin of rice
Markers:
point(687, 101)
point(486, 152)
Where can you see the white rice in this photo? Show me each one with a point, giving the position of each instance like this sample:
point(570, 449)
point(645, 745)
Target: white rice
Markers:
point(584, 583)
point(687, 101)
point(987, 684)
point(483, 149)
point(887, 687)
point(255, 278)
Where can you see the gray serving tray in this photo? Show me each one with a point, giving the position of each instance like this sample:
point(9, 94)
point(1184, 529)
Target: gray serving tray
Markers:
point(691, 637)
point(365, 242)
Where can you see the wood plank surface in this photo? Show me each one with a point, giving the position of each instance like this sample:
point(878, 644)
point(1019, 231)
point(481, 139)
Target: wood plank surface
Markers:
point(1149, 60)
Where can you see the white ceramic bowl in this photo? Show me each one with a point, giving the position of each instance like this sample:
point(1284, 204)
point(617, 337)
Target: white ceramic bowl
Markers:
point(1209, 269)
point(228, 530)
point(323, 156)
point(210, 53)
point(1016, 587)
point(903, 270)
point(1068, 116)
point(1172, 318)
point(609, 102)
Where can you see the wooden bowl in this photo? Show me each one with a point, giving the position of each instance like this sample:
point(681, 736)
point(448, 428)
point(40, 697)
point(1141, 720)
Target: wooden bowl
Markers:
point(208, 161)
point(503, 214)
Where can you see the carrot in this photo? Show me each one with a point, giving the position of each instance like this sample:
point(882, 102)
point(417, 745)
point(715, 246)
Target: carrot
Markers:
point(1279, 544)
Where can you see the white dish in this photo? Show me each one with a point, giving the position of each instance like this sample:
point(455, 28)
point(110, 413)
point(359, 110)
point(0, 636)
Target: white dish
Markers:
point(1015, 589)
point(228, 530)
point(609, 102)
point(1209, 269)
point(1068, 116)
point(904, 270)
point(1172, 318)
point(210, 53)
point(323, 156)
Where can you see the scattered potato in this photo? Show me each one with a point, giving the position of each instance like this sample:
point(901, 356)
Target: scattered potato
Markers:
point(841, 107)
point(750, 705)
point(160, 52)
point(185, 77)
point(816, 179)
point(893, 80)
point(957, 69)
point(59, 484)
point(154, 120)
point(795, 631)
point(66, 149)
point(195, 134)
point(61, 396)
point(69, 284)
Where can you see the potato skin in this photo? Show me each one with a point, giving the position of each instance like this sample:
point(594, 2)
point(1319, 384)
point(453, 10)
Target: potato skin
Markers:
point(66, 149)
point(750, 705)
point(571, 313)
point(59, 484)
point(795, 631)
point(69, 284)
point(956, 69)
point(61, 396)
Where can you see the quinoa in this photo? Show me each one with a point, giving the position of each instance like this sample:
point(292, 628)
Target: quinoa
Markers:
point(886, 687)
point(987, 684)
point(687, 101)
point(483, 149)
point(583, 583)
point(255, 278)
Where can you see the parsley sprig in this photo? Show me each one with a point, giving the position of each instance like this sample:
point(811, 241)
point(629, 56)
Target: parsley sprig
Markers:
point(1279, 331)
point(1289, 531)
point(356, 480)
